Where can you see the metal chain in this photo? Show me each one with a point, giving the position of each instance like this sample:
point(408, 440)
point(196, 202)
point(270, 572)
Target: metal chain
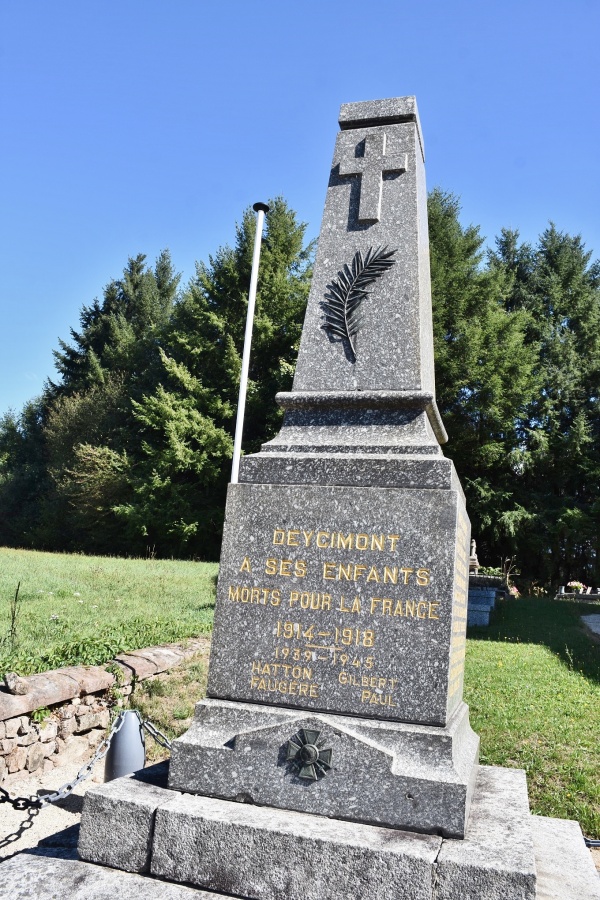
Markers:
point(158, 736)
point(23, 803)
point(86, 770)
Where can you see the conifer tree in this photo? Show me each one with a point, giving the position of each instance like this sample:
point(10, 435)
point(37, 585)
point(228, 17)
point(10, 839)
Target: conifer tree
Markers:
point(186, 425)
point(91, 430)
point(485, 377)
point(23, 475)
point(559, 289)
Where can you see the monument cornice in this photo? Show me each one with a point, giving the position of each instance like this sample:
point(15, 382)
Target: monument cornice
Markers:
point(367, 400)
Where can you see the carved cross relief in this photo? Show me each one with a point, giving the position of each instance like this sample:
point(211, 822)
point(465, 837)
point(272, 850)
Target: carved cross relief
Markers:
point(372, 167)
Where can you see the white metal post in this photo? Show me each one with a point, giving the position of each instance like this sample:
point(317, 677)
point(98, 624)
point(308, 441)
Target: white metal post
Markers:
point(261, 209)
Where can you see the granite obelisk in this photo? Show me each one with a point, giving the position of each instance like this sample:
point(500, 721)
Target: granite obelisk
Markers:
point(342, 585)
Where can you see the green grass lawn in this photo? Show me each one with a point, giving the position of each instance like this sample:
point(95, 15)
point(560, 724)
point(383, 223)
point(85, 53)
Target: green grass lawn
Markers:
point(532, 680)
point(84, 609)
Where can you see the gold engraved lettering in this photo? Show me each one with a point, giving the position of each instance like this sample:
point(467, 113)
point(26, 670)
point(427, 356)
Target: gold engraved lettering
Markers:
point(284, 567)
point(356, 571)
point(300, 568)
point(336, 540)
point(375, 698)
point(406, 572)
point(422, 577)
point(275, 684)
point(256, 595)
point(246, 567)
point(421, 609)
point(259, 667)
point(377, 541)
point(310, 600)
point(355, 608)
point(329, 571)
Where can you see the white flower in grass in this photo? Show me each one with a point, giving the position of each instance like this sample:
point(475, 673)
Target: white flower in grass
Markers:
point(77, 594)
point(54, 618)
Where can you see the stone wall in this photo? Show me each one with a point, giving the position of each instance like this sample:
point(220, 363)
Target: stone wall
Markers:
point(70, 732)
point(61, 716)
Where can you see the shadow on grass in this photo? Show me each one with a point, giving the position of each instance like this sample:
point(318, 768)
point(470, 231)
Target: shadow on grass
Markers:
point(555, 624)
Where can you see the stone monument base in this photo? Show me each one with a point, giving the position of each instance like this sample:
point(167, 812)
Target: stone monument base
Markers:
point(415, 777)
point(258, 852)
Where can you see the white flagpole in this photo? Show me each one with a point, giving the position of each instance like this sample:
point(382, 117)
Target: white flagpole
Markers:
point(260, 209)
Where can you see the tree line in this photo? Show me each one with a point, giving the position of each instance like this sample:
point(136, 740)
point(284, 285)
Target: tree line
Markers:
point(129, 451)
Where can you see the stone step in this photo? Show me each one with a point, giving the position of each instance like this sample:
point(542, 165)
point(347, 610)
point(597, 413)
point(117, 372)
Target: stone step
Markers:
point(564, 872)
point(271, 854)
point(27, 876)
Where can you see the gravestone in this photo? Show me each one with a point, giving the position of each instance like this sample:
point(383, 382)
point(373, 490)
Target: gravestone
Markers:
point(483, 593)
point(333, 756)
point(339, 637)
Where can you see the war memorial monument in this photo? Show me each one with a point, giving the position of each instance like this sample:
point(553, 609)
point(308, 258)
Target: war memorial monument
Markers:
point(333, 756)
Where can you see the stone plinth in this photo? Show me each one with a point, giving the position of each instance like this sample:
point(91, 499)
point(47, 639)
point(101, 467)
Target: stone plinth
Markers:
point(416, 777)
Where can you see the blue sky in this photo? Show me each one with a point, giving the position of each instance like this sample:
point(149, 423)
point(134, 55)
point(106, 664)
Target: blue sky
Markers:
point(128, 126)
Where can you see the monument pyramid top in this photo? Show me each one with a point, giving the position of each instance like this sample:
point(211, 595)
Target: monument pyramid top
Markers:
point(367, 113)
point(367, 338)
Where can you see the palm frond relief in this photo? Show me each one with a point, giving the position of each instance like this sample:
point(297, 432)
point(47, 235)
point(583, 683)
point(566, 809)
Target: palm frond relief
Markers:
point(344, 296)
